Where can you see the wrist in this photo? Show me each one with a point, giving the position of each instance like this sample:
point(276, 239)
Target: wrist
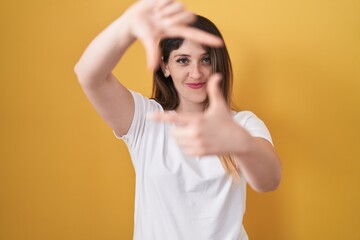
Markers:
point(133, 18)
point(125, 23)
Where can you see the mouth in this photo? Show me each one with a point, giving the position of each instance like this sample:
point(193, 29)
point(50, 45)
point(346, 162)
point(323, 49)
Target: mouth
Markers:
point(196, 85)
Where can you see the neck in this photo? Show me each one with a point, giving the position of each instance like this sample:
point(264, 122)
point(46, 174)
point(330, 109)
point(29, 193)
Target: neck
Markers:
point(190, 108)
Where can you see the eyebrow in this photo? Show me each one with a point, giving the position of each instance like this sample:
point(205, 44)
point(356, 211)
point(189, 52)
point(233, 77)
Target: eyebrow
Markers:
point(186, 55)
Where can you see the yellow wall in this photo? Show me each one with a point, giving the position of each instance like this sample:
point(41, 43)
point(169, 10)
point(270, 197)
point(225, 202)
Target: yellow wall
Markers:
point(297, 65)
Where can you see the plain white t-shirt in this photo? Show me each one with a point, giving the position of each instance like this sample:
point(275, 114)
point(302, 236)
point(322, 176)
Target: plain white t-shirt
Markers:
point(179, 197)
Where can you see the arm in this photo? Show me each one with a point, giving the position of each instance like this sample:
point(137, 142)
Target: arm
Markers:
point(109, 97)
point(215, 132)
point(147, 21)
point(257, 160)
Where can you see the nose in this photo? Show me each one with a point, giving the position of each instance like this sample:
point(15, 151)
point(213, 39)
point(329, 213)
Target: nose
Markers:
point(195, 71)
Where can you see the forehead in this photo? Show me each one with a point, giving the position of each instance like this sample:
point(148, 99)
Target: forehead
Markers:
point(190, 48)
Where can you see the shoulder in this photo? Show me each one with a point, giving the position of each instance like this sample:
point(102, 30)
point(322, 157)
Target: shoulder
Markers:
point(140, 123)
point(143, 103)
point(243, 117)
point(253, 124)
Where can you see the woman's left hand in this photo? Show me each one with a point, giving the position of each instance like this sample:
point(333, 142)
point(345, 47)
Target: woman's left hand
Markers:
point(211, 132)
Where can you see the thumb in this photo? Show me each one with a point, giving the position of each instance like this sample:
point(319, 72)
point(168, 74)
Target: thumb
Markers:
point(152, 53)
point(214, 91)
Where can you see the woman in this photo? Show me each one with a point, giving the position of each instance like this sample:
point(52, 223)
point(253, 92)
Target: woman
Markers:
point(190, 184)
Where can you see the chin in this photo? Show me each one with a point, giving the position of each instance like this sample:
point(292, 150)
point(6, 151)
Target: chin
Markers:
point(202, 101)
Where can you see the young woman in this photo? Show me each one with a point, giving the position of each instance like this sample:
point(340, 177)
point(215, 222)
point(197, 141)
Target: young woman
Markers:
point(192, 155)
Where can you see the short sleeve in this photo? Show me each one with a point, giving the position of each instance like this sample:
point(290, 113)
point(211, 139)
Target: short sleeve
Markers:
point(254, 125)
point(143, 106)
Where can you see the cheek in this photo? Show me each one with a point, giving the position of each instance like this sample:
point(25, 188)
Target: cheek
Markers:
point(178, 76)
point(208, 71)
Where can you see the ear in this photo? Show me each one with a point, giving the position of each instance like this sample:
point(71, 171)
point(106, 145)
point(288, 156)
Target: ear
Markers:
point(165, 68)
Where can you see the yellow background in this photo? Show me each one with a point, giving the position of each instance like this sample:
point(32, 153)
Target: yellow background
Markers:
point(63, 175)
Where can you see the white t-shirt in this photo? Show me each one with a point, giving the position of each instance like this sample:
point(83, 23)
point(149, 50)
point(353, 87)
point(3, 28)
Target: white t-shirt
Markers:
point(179, 197)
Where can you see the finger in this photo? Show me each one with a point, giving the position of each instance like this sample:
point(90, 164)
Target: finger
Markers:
point(182, 18)
point(168, 117)
point(163, 3)
point(158, 2)
point(194, 152)
point(159, 5)
point(196, 35)
point(213, 89)
point(152, 53)
point(184, 142)
point(188, 147)
point(170, 9)
point(185, 133)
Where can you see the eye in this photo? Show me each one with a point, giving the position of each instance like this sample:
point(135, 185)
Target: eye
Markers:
point(207, 60)
point(183, 60)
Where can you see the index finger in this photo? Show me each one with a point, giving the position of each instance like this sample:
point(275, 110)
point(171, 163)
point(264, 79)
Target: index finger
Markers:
point(169, 117)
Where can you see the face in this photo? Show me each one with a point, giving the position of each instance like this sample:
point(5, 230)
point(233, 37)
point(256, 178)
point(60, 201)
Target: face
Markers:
point(190, 68)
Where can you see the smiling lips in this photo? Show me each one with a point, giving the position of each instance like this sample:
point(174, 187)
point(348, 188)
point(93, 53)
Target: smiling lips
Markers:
point(196, 85)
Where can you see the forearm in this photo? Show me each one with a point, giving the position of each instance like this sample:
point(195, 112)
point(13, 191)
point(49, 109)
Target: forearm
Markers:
point(258, 161)
point(104, 52)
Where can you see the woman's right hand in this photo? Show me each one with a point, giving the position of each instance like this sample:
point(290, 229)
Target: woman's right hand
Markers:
point(147, 20)
point(152, 20)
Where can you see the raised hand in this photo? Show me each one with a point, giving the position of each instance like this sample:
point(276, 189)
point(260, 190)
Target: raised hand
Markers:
point(211, 132)
point(152, 20)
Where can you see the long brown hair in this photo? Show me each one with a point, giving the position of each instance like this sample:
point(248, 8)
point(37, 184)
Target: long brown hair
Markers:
point(164, 91)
